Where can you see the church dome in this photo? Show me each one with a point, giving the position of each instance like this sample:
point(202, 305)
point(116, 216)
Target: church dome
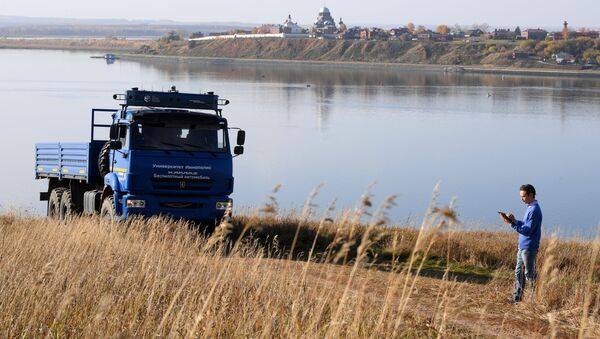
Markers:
point(324, 10)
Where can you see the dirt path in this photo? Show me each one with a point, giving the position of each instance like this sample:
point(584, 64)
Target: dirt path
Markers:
point(470, 308)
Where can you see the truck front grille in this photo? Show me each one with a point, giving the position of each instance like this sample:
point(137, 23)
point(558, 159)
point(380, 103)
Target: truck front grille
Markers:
point(182, 184)
point(186, 205)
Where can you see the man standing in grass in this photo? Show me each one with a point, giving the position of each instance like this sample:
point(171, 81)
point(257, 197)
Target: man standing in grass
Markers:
point(530, 232)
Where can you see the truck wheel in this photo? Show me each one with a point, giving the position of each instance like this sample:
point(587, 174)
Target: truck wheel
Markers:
point(104, 159)
point(54, 202)
point(107, 211)
point(67, 207)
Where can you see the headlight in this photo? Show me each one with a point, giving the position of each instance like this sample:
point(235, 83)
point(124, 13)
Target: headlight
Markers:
point(222, 205)
point(136, 203)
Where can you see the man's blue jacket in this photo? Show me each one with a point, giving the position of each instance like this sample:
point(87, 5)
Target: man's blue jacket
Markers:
point(530, 229)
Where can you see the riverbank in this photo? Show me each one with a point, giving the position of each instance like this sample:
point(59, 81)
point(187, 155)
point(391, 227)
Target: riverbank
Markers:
point(432, 57)
point(449, 69)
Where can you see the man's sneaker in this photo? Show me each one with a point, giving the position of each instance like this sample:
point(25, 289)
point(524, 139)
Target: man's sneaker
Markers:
point(513, 300)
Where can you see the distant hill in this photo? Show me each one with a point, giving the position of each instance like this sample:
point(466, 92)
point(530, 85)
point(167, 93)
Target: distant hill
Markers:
point(11, 26)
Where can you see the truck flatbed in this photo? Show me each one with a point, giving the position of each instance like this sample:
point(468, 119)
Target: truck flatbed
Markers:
point(67, 160)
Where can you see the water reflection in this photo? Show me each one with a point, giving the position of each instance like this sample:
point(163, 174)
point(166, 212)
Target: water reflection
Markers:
point(500, 94)
point(349, 75)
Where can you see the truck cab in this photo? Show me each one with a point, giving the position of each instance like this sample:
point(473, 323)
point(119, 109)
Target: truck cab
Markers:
point(168, 153)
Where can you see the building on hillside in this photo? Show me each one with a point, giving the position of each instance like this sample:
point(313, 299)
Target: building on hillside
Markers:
point(342, 27)
point(474, 33)
point(352, 33)
point(324, 25)
point(566, 34)
point(400, 34)
point(585, 34)
point(564, 58)
point(534, 34)
point(429, 35)
point(520, 54)
point(458, 34)
point(290, 27)
point(503, 34)
point(374, 34)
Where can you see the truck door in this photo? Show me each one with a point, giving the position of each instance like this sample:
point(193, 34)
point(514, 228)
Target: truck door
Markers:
point(121, 156)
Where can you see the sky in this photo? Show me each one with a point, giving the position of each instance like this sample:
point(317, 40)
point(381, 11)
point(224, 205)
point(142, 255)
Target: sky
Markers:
point(499, 13)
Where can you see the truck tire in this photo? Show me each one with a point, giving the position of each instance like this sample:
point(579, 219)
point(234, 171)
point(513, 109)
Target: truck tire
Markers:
point(107, 211)
point(54, 202)
point(67, 207)
point(104, 159)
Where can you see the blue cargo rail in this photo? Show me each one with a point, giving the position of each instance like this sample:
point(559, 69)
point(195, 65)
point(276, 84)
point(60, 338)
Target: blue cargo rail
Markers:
point(66, 160)
point(166, 153)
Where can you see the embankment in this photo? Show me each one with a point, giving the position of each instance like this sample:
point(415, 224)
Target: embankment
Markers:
point(480, 57)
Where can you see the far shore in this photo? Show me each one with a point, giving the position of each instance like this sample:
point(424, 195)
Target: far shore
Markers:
point(126, 50)
point(374, 65)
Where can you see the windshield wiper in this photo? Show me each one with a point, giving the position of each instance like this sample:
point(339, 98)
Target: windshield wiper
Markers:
point(176, 145)
point(144, 146)
point(202, 148)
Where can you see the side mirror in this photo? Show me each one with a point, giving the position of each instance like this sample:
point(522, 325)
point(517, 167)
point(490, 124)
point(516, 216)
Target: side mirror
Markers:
point(116, 144)
point(241, 137)
point(237, 150)
point(114, 132)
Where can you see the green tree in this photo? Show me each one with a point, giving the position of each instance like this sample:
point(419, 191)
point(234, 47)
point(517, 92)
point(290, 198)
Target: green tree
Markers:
point(171, 36)
point(518, 31)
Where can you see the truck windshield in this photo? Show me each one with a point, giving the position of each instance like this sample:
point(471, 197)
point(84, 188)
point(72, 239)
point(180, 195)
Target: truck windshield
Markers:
point(178, 136)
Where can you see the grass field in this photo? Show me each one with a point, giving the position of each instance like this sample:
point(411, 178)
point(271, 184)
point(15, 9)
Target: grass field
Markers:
point(267, 275)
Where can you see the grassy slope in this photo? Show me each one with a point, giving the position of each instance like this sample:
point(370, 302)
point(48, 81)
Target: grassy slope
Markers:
point(84, 278)
point(431, 53)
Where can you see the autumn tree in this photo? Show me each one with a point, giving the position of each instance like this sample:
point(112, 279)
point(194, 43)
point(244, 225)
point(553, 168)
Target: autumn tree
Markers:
point(442, 29)
point(591, 53)
point(421, 29)
point(411, 27)
point(527, 44)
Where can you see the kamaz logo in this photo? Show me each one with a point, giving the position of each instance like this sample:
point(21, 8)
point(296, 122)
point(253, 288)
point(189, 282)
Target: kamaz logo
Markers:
point(182, 184)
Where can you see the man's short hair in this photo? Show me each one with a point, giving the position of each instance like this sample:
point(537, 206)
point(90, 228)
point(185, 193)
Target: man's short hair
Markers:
point(529, 189)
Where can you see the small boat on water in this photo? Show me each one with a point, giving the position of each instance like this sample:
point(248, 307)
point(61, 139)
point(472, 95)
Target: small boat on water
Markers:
point(107, 56)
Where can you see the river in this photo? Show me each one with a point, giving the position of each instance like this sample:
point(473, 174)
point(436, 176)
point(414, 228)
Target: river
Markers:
point(349, 128)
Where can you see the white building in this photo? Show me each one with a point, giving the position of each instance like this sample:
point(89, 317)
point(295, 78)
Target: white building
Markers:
point(290, 27)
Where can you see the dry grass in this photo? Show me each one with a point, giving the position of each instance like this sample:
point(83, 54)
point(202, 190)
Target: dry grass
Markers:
point(156, 277)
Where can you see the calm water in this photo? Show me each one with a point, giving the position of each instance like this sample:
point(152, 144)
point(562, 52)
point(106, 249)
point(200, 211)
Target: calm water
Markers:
point(480, 136)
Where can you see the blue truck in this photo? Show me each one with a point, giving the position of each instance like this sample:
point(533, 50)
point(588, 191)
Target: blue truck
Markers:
point(168, 153)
